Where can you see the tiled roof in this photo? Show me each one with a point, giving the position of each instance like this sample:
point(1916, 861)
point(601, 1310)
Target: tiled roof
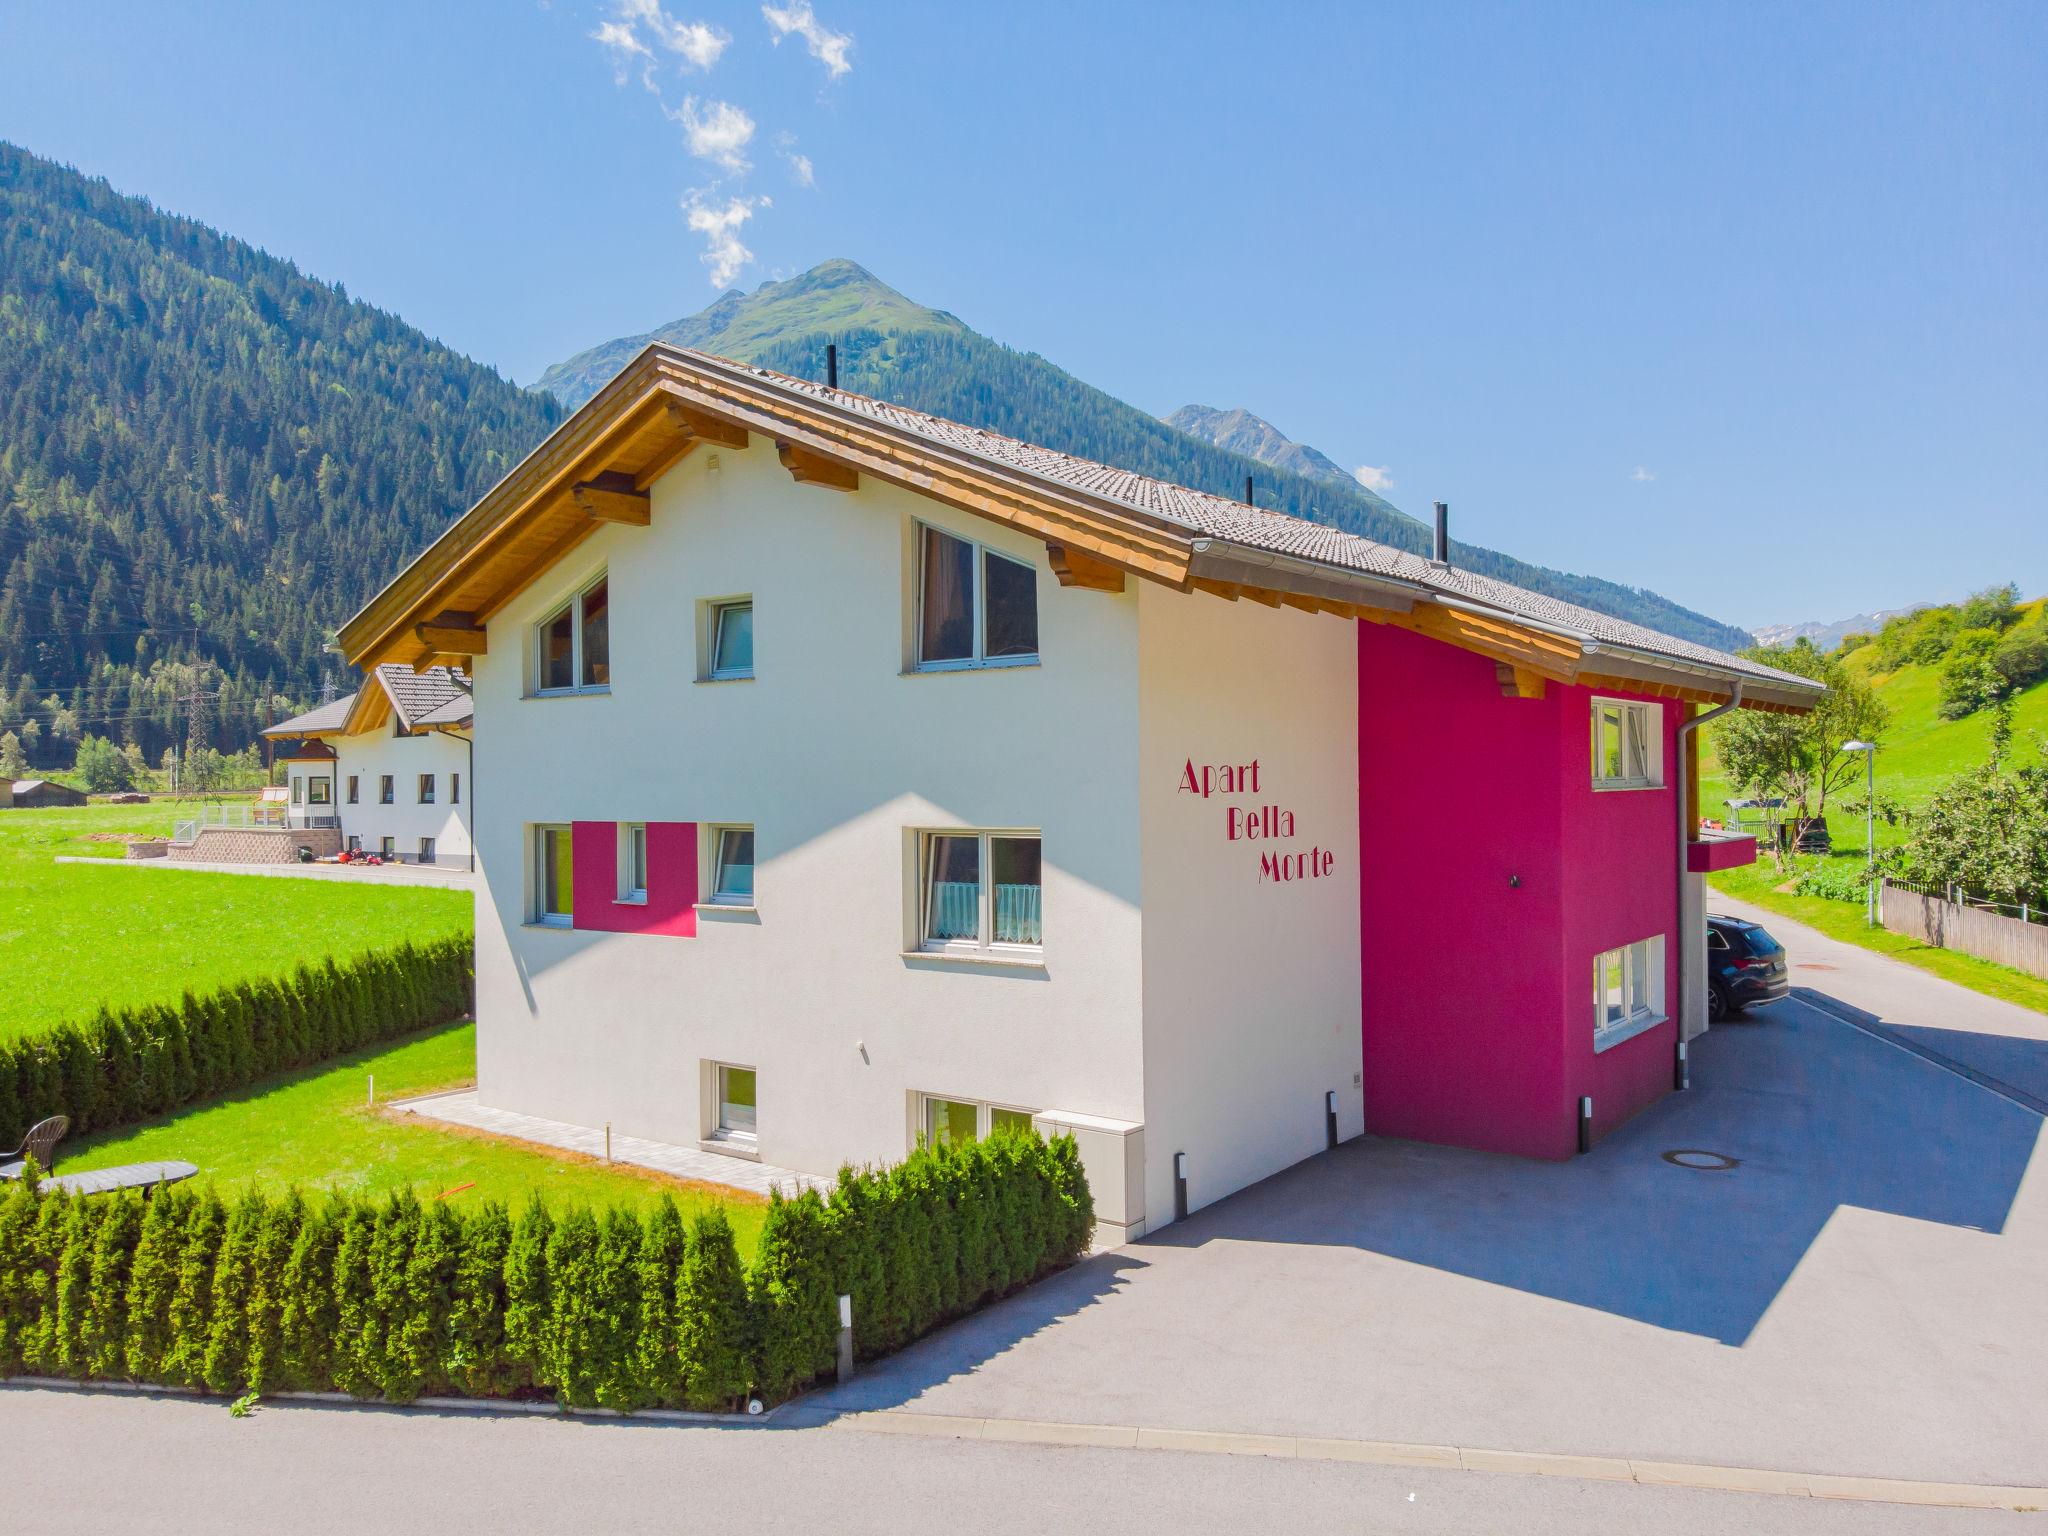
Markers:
point(328, 717)
point(459, 710)
point(1218, 517)
point(416, 695)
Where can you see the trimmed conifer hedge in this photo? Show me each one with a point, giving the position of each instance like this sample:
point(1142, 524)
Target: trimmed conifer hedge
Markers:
point(396, 1299)
point(128, 1064)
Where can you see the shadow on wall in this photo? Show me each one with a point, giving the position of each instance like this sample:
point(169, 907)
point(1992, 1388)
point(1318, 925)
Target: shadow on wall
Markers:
point(1818, 1114)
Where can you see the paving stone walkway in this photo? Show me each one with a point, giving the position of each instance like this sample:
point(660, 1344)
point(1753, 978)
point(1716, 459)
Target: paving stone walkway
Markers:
point(461, 1108)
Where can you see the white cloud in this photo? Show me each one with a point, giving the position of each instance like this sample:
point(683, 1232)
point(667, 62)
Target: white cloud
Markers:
point(799, 165)
point(724, 253)
point(1380, 479)
point(719, 133)
point(637, 27)
point(827, 47)
point(1641, 476)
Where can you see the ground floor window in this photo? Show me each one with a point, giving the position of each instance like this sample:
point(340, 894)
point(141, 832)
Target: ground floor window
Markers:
point(1628, 991)
point(633, 861)
point(320, 791)
point(981, 890)
point(736, 1102)
point(426, 850)
point(949, 1122)
point(553, 877)
point(388, 848)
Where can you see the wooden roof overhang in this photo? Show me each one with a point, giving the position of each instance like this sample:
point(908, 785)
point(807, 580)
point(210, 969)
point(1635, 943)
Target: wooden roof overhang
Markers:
point(597, 468)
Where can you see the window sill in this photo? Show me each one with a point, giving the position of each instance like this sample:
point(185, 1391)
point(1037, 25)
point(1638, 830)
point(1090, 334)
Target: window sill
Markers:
point(630, 901)
point(570, 693)
point(736, 677)
point(749, 913)
point(976, 959)
point(954, 668)
point(747, 1149)
point(536, 927)
point(1617, 786)
point(1615, 1036)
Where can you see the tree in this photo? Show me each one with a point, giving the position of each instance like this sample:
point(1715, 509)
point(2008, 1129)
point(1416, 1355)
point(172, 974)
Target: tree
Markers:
point(1799, 758)
point(102, 766)
point(13, 761)
point(1970, 679)
point(1985, 831)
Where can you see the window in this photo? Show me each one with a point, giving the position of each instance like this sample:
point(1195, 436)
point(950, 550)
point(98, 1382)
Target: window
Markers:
point(455, 789)
point(736, 1091)
point(1626, 745)
point(1628, 991)
point(975, 608)
point(732, 874)
point(573, 644)
point(732, 639)
point(553, 877)
point(426, 789)
point(387, 791)
point(355, 845)
point(298, 791)
point(320, 791)
point(387, 848)
point(426, 850)
point(980, 890)
point(633, 861)
point(352, 789)
point(949, 1122)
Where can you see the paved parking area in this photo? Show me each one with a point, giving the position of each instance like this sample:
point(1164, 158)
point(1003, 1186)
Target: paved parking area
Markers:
point(1861, 1294)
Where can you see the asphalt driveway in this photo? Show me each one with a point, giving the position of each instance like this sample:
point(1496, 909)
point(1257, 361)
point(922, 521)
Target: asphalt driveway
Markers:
point(1860, 1293)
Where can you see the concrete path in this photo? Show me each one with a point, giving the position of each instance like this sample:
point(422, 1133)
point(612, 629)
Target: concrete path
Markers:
point(461, 1108)
point(186, 1465)
point(2005, 1043)
point(1861, 1295)
point(452, 877)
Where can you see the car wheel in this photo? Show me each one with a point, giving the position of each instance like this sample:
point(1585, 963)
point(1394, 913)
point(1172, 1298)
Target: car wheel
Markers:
point(1717, 1006)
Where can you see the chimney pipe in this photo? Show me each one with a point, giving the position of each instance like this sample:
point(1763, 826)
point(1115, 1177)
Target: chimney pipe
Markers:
point(1443, 533)
point(831, 365)
point(1248, 492)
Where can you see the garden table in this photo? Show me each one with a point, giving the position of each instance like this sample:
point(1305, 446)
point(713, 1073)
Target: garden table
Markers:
point(106, 1181)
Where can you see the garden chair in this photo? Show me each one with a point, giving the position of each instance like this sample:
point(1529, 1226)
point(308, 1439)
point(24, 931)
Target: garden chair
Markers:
point(39, 1144)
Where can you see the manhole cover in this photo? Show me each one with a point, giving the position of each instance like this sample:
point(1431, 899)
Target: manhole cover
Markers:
point(1701, 1162)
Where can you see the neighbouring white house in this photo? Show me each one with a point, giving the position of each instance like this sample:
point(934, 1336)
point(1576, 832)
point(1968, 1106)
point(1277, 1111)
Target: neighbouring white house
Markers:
point(386, 770)
point(859, 777)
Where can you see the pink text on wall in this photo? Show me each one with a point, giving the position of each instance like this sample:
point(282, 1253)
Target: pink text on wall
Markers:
point(1256, 822)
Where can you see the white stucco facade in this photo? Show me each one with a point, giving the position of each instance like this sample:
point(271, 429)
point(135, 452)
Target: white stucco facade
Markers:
point(354, 790)
point(1176, 995)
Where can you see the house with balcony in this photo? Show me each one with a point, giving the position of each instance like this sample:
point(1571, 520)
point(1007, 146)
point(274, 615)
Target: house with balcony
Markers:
point(860, 777)
point(385, 770)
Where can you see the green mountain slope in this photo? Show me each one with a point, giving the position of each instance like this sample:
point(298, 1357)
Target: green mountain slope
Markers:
point(897, 350)
point(207, 460)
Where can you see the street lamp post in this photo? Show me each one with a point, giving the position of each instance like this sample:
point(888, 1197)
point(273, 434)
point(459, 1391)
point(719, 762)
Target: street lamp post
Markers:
point(1869, 751)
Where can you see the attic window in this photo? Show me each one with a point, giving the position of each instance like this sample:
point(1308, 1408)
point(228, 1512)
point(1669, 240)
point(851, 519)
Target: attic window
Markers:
point(975, 608)
point(572, 645)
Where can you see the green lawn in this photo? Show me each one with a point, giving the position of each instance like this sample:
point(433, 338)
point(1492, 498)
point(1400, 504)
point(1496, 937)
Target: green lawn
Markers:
point(315, 1129)
point(74, 937)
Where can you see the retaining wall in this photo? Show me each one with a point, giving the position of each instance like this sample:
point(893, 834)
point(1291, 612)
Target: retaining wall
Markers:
point(254, 845)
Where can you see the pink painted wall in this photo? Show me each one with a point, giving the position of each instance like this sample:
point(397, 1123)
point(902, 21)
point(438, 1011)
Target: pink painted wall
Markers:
point(671, 905)
point(1491, 874)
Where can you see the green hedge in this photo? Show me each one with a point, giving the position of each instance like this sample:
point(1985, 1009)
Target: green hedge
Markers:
point(125, 1066)
point(395, 1299)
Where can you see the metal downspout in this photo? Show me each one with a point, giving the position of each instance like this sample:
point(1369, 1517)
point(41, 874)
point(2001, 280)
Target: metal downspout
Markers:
point(1689, 941)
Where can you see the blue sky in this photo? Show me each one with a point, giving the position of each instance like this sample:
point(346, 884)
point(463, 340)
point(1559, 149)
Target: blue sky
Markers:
point(1748, 304)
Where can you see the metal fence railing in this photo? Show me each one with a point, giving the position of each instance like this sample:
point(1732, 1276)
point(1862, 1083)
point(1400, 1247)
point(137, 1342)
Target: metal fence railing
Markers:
point(241, 817)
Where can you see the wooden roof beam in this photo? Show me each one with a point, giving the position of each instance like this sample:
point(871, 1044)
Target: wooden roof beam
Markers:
point(1518, 682)
point(612, 497)
point(807, 466)
point(702, 425)
point(455, 634)
point(1077, 568)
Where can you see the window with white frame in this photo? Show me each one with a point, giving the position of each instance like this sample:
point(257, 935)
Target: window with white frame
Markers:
point(737, 1094)
point(573, 646)
point(426, 789)
point(732, 640)
point(426, 850)
point(633, 861)
point(387, 848)
point(1626, 745)
point(949, 1122)
point(975, 608)
point(1628, 991)
point(553, 877)
point(732, 866)
point(980, 892)
point(319, 791)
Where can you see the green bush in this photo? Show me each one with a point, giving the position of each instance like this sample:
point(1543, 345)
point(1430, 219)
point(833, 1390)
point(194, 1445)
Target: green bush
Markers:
point(1834, 880)
point(395, 1300)
point(122, 1067)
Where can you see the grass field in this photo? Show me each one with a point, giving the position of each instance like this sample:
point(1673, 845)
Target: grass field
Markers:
point(315, 1129)
point(74, 937)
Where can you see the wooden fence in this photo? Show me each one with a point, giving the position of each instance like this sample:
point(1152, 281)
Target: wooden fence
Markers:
point(1949, 925)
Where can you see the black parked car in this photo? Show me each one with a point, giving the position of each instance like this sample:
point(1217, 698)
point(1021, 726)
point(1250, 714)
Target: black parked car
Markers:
point(1745, 965)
